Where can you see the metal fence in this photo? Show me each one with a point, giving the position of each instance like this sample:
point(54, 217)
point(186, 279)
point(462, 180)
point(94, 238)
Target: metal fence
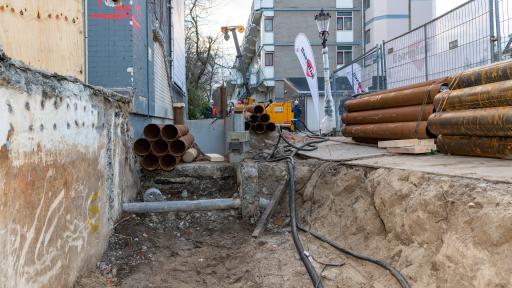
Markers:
point(476, 33)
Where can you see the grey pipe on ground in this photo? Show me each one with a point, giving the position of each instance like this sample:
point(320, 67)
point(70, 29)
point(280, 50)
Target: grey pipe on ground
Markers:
point(178, 206)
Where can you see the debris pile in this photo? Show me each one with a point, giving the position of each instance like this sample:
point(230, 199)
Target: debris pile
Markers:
point(257, 120)
point(164, 147)
point(393, 114)
point(474, 118)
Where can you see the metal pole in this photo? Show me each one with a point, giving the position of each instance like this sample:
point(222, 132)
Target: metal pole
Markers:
point(426, 51)
point(378, 68)
point(384, 69)
point(177, 206)
point(498, 28)
point(492, 38)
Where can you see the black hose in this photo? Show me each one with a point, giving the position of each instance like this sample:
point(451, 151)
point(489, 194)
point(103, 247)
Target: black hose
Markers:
point(401, 279)
point(295, 233)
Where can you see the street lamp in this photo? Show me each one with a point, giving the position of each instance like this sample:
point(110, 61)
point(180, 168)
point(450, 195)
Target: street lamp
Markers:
point(328, 122)
point(322, 21)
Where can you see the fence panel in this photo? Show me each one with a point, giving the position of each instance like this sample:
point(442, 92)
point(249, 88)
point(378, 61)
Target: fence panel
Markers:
point(453, 42)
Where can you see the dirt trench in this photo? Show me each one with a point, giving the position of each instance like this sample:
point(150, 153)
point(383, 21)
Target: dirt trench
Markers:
point(439, 231)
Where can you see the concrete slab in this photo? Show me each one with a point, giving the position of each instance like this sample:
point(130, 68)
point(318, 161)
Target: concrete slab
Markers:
point(339, 150)
point(344, 150)
point(495, 170)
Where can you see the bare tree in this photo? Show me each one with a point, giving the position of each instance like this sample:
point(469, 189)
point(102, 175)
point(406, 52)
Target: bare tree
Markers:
point(202, 52)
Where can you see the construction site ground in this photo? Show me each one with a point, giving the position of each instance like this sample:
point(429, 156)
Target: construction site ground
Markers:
point(443, 221)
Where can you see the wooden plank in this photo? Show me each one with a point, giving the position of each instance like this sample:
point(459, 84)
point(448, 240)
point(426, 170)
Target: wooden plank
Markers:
point(215, 157)
point(406, 143)
point(262, 223)
point(45, 34)
point(412, 149)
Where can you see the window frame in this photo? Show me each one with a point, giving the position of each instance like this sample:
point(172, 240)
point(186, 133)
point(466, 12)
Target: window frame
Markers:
point(339, 15)
point(266, 55)
point(340, 50)
point(265, 24)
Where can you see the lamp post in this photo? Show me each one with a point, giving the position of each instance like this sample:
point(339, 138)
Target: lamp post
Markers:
point(328, 122)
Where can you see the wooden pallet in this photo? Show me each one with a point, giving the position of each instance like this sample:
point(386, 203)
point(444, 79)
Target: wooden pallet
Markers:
point(406, 143)
point(412, 149)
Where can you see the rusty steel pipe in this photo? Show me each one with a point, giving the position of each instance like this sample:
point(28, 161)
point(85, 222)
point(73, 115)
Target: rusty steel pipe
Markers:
point(252, 118)
point(492, 147)
point(178, 111)
point(270, 127)
point(168, 162)
point(368, 140)
point(487, 74)
point(255, 109)
point(389, 131)
point(152, 132)
point(150, 162)
point(443, 81)
point(142, 147)
point(259, 128)
point(179, 146)
point(173, 132)
point(485, 96)
point(159, 147)
point(414, 96)
point(264, 118)
point(389, 115)
point(490, 122)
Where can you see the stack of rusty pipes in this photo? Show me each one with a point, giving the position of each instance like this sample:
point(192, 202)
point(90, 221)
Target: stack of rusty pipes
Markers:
point(257, 120)
point(163, 146)
point(474, 118)
point(393, 114)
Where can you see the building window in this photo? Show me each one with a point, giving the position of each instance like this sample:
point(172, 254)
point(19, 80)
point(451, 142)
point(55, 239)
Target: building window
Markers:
point(269, 24)
point(112, 3)
point(367, 37)
point(344, 21)
point(366, 4)
point(343, 55)
point(269, 58)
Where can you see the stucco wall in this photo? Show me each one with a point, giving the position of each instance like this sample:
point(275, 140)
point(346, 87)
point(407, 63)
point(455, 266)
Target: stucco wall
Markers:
point(65, 169)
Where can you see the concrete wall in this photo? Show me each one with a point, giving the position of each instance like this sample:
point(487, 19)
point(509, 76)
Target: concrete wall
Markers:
point(65, 170)
point(210, 134)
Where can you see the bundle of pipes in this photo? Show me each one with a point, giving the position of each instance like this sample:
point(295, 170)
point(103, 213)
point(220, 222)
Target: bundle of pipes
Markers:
point(475, 117)
point(394, 114)
point(163, 146)
point(257, 120)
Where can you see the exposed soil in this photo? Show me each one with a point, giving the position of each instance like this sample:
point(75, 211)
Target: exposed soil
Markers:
point(439, 231)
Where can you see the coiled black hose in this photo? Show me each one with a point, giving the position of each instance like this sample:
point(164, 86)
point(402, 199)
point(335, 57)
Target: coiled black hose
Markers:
point(315, 278)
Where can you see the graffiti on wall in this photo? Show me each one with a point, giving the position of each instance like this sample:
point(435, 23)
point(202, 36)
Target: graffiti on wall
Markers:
point(121, 11)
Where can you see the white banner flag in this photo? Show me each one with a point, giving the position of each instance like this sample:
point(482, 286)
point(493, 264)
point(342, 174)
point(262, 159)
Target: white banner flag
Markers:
point(307, 61)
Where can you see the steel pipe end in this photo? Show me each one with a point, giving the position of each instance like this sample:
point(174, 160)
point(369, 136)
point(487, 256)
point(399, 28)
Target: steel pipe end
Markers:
point(160, 147)
point(150, 162)
point(142, 147)
point(168, 162)
point(259, 128)
point(270, 127)
point(264, 118)
point(152, 132)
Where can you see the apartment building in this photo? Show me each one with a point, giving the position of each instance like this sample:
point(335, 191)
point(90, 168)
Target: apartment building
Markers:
point(387, 19)
point(268, 47)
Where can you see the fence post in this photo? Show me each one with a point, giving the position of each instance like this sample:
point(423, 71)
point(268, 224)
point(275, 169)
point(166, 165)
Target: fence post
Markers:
point(384, 68)
point(492, 38)
point(377, 62)
point(426, 51)
point(498, 28)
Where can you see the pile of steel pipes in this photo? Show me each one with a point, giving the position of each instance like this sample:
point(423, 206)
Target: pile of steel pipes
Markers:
point(164, 146)
point(393, 114)
point(257, 120)
point(474, 118)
